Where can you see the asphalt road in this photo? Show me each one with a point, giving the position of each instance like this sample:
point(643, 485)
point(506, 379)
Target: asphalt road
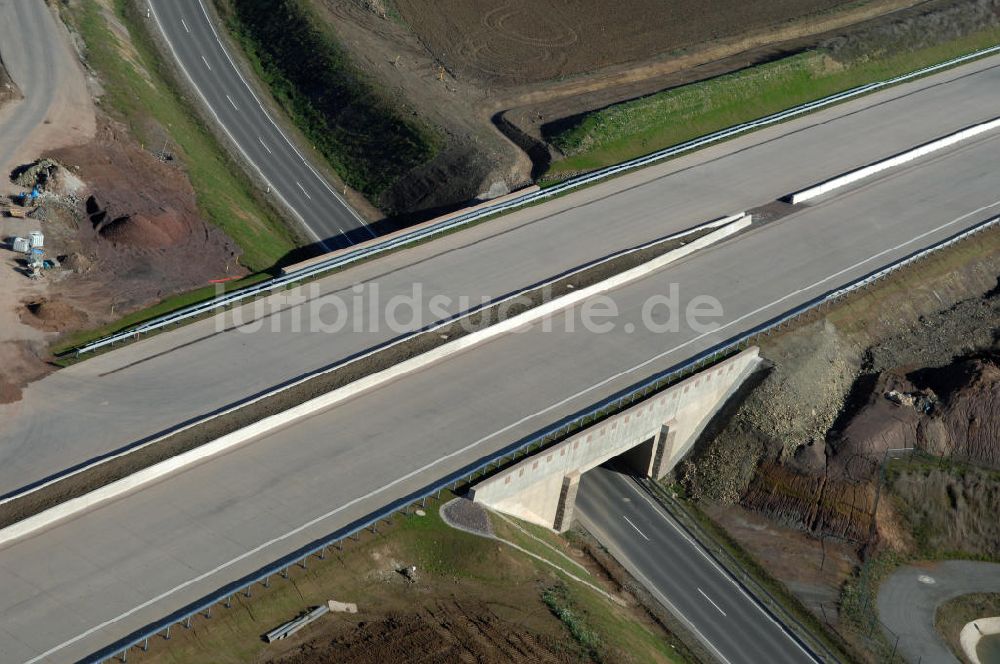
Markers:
point(204, 60)
point(32, 67)
point(85, 582)
point(909, 598)
point(56, 108)
point(676, 570)
point(110, 401)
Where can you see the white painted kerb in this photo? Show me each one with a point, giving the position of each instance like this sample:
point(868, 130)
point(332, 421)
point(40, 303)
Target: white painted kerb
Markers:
point(969, 636)
point(892, 162)
point(160, 470)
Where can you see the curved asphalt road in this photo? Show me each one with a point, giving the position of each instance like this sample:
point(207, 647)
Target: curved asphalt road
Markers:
point(909, 598)
point(676, 570)
point(201, 55)
point(32, 67)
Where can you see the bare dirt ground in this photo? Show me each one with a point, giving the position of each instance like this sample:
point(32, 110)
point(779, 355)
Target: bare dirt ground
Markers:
point(517, 42)
point(121, 223)
point(490, 76)
point(441, 631)
point(467, 599)
point(913, 363)
point(8, 89)
point(67, 119)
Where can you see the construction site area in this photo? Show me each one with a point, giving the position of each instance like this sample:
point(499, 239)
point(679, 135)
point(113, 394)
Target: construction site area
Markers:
point(867, 440)
point(499, 85)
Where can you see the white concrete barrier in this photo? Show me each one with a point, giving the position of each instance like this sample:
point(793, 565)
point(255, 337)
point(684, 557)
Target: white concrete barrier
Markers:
point(265, 426)
point(892, 162)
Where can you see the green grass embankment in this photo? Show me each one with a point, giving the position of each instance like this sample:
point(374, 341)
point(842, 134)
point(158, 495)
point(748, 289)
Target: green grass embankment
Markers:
point(140, 92)
point(640, 126)
point(368, 140)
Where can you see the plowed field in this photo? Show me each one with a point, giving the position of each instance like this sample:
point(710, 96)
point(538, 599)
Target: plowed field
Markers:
point(527, 41)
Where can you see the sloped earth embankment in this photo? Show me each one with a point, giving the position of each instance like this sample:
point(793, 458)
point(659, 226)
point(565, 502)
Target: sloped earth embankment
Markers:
point(913, 363)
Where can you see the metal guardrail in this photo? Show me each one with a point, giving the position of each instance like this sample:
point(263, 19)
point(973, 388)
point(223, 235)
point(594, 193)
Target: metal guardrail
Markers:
point(485, 465)
point(278, 283)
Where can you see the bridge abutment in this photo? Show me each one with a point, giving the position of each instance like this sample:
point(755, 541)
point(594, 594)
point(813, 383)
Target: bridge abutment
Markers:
point(650, 438)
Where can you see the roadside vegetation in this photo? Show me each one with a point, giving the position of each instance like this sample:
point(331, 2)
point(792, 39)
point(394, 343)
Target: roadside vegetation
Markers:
point(467, 592)
point(139, 92)
point(173, 303)
point(368, 141)
point(955, 614)
point(640, 126)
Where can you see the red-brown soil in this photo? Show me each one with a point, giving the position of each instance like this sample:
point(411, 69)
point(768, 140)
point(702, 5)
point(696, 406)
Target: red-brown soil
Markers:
point(51, 315)
point(443, 631)
point(136, 234)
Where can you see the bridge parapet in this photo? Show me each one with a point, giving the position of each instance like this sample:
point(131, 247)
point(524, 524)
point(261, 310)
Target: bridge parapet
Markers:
point(651, 437)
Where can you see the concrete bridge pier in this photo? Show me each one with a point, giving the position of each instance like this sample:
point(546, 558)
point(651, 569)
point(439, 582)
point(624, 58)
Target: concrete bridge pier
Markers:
point(650, 437)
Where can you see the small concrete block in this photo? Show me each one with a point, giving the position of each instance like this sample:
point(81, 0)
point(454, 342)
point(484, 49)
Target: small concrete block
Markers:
point(342, 607)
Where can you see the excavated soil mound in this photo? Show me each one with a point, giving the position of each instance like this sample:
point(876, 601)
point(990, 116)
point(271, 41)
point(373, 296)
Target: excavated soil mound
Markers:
point(951, 411)
point(51, 315)
point(137, 226)
point(164, 230)
point(445, 632)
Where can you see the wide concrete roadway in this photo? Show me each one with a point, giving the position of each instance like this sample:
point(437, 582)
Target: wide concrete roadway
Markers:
point(642, 536)
point(201, 55)
point(113, 400)
point(86, 582)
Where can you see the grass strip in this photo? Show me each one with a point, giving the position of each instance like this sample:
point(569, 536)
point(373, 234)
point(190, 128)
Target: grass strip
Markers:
point(364, 136)
point(634, 128)
point(140, 92)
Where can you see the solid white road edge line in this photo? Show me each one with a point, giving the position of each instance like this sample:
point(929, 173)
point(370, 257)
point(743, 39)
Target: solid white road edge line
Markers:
point(653, 590)
point(267, 425)
point(477, 443)
point(232, 138)
point(333, 191)
point(892, 162)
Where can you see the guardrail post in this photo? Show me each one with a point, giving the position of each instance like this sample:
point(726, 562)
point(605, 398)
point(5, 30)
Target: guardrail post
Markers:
point(267, 581)
point(208, 612)
point(284, 573)
point(322, 553)
point(302, 563)
point(229, 602)
point(187, 623)
point(124, 656)
point(166, 636)
point(423, 501)
point(145, 644)
point(246, 592)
